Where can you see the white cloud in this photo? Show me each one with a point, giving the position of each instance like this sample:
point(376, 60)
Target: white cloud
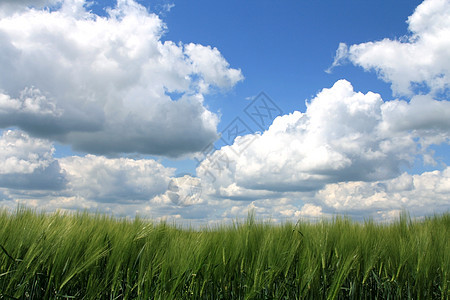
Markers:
point(424, 118)
point(168, 6)
point(419, 60)
point(421, 113)
point(383, 200)
point(309, 210)
point(213, 67)
point(347, 149)
point(118, 180)
point(339, 58)
point(422, 194)
point(184, 190)
point(103, 83)
point(306, 211)
point(125, 187)
point(30, 174)
point(344, 154)
point(276, 210)
point(339, 138)
point(28, 163)
point(21, 154)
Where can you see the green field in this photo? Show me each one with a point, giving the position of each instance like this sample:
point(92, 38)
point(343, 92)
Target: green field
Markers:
point(84, 256)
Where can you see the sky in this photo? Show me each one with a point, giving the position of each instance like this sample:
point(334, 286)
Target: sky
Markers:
point(202, 111)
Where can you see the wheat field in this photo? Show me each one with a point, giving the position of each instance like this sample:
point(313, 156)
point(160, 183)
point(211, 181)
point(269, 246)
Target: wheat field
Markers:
point(95, 256)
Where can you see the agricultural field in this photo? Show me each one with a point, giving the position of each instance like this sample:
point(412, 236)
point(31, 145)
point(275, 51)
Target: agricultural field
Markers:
point(85, 256)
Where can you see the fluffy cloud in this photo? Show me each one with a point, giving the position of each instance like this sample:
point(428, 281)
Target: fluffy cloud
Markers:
point(29, 173)
point(213, 67)
point(185, 190)
point(21, 154)
point(109, 85)
point(417, 61)
point(28, 163)
point(282, 210)
point(104, 84)
point(424, 118)
point(421, 194)
point(346, 144)
point(340, 137)
point(120, 180)
point(343, 155)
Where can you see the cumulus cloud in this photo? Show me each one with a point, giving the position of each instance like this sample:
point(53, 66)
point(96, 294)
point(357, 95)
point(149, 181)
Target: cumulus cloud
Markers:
point(124, 187)
point(281, 209)
point(338, 138)
point(344, 154)
point(308, 210)
point(424, 118)
point(119, 180)
point(103, 84)
point(213, 67)
point(28, 163)
point(383, 200)
point(30, 174)
point(421, 194)
point(106, 85)
point(344, 139)
point(420, 60)
point(184, 190)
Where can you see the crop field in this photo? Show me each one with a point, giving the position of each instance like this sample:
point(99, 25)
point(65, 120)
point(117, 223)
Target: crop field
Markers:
point(85, 256)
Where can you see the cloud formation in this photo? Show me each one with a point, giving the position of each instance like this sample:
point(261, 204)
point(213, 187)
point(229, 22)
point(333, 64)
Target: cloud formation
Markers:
point(420, 194)
point(348, 147)
point(30, 174)
point(419, 61)
point(27, 163)
point(109, 85)
point(119, 180)
point(103, 84)
point(343, 136)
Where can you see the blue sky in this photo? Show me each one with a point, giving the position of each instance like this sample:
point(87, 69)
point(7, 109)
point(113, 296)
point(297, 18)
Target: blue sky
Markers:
point(283, 49)
point(119, 107)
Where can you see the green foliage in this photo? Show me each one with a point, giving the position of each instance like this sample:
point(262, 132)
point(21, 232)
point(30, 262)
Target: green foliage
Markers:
point(83, 256)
